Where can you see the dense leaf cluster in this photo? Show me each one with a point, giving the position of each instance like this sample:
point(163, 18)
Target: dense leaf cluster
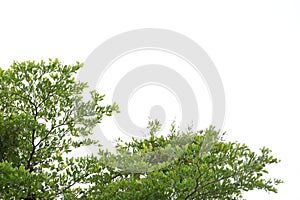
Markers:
point(43, 118)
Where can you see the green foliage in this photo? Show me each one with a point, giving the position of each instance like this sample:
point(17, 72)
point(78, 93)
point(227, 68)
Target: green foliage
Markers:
point(42, 112)
point(225, 172)
point(43, 117)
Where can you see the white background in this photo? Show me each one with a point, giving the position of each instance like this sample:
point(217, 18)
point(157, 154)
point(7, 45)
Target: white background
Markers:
point(254, 44)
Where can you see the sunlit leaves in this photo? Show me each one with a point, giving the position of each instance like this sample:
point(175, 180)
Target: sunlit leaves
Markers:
point(43, 118)
point(226, 171)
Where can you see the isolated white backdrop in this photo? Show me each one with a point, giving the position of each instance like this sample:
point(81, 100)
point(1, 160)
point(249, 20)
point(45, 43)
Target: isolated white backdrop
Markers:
point(255, 46)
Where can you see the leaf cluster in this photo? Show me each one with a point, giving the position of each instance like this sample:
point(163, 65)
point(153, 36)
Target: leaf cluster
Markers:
point(44, 117)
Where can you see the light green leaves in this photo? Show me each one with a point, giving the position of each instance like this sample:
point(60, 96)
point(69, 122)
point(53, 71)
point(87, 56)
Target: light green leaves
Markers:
point(44, 117)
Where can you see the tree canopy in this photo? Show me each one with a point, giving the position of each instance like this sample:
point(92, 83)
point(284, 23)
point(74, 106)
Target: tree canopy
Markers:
point(43, 118)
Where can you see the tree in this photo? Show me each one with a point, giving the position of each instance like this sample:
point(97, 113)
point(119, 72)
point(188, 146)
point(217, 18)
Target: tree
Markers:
point(41, 115)
point(224, 172)
point(43, 118)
